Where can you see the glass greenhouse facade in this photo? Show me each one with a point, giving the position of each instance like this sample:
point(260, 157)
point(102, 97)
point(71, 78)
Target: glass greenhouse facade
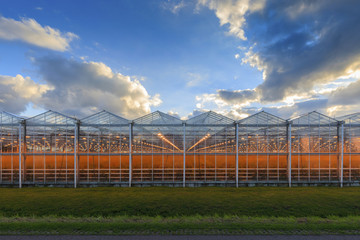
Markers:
point(159, 149)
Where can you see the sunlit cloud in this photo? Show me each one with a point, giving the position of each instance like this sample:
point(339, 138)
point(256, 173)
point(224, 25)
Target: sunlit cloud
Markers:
point(30, 31)
point(77, 88)
point(233, 13)
point(17, 92)
point(308, 53)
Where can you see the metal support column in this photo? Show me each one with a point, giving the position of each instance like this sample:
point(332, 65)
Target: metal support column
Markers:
point(23, 151)
point(130, 152)
point(237, 153)
point(75, 153)
point(338, 150)
point(20, 155)
point(289, 152)
point(342, 156)
point(184, 154)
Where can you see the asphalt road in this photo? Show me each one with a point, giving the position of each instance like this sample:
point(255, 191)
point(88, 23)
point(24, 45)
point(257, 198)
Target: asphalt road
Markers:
point(242, 237)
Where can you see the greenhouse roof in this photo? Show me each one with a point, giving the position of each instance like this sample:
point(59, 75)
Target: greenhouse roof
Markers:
point(262, 118)
point(51, 118)
point(314, 118)
point(211, 118)
point(351, 118)
point(157, 118)
point(9, 118)
point(104, 118)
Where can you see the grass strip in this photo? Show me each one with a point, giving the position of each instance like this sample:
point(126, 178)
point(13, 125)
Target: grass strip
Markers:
point(171, 202)
point(125, 225)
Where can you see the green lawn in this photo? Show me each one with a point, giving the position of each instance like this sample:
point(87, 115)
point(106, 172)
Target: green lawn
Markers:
point(179, 210)
point(170, 202)
point(180, 225)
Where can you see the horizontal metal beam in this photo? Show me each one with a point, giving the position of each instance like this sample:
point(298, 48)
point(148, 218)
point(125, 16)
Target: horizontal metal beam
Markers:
point(50, 125)
point(261, 125)
point(15, 124)
point(103, 125)
point(294, 125)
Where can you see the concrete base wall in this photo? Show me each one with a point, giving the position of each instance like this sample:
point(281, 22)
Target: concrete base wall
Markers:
point(180, 184)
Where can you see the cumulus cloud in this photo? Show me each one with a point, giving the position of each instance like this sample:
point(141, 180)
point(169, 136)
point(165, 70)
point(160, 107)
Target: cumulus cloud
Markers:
point(76, 88)
point(81, 87)
point(174, 114)
point(233, 13)
point(336, 102)
point(299, 46)
point(302, 44)
point(30, 31)
point(194, 113)
point(16, 92)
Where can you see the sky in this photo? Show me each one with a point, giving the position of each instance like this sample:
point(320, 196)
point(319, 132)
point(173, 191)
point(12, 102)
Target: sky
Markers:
point(133, 57)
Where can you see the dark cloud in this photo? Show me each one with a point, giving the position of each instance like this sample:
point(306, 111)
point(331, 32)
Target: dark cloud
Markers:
point(235, 97)
point(286, 112)
point(298, 45)
point(349, 95)
point(303, 43)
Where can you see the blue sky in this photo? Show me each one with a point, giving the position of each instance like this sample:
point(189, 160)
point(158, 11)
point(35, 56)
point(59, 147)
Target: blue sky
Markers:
point(236, 57)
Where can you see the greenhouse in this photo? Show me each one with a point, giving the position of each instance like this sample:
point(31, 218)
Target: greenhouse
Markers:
point(159, 149)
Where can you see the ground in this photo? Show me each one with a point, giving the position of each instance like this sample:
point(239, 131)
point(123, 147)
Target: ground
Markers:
point(165, 210)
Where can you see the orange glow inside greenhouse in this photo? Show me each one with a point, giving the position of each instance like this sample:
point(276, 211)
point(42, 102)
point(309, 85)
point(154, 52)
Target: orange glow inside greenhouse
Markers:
point(159, 149)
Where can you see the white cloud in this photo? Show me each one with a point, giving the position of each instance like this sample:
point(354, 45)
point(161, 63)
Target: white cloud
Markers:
point(16, 92)
point(339, 99)
point(233, 13)
point(194, 113)
point(308, 52)
point(300, 8)
point(350, 73)
point(85, 87)
point(30, 31)
point(194, 79)
point(76, 88)
point(174, 114)
point(173, 6)
point(254, 60)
